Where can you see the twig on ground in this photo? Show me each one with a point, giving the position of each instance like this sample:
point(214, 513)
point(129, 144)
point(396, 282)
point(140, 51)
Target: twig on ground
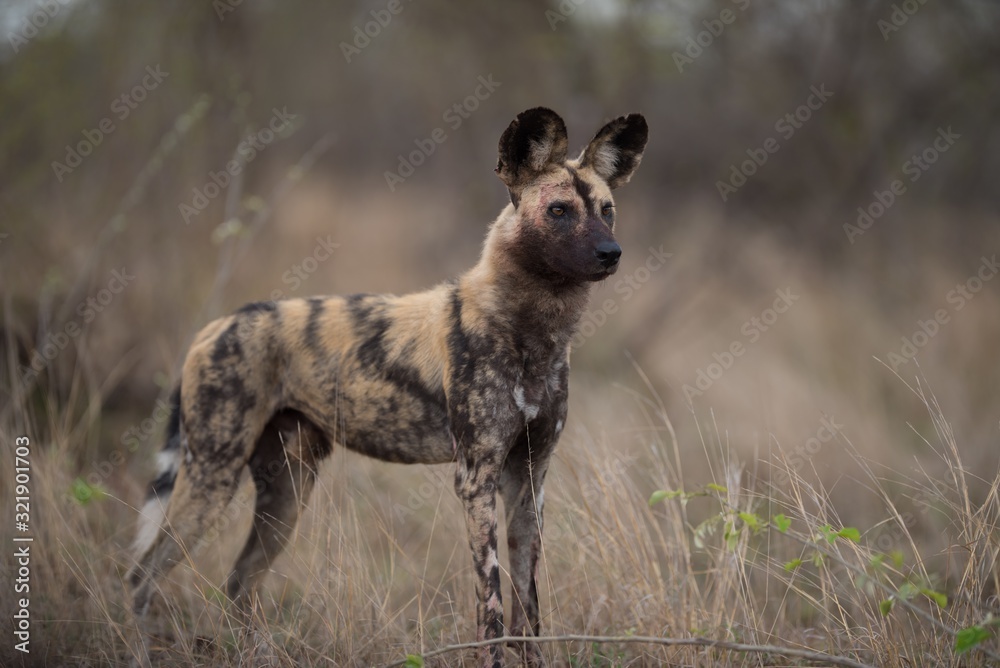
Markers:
point(648, 640)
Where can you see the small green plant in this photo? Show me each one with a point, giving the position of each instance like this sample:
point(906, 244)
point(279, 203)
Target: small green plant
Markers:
point(968, 638)
point(83, 492)
point(884, 573)
point(414, 661)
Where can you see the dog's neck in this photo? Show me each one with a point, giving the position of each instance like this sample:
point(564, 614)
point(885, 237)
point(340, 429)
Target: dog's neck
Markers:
point(538, 307)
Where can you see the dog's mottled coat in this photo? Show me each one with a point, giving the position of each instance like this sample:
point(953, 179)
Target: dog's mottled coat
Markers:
point(474, 371)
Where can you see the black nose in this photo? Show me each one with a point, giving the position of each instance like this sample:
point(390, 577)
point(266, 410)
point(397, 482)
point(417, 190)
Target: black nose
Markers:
point(607, 253)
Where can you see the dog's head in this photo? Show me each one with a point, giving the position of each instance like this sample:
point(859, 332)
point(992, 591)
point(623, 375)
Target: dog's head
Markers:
point(564, 212)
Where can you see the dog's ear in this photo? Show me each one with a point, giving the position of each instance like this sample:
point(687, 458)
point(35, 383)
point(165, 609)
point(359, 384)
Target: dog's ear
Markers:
point(533, 141)
point(616, 150)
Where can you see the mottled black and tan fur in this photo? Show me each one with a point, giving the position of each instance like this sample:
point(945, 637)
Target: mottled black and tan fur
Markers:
point(474, 371)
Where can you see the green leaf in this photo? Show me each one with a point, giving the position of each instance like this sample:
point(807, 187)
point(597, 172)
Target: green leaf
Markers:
point(717, 488)
point(664, 494)
point(414, 661)
point(827, 532)
point(885, 607)
point(705, 529)
point(781, 523)
point(908, 591)
point(969, 637)
point(750, 520)
point(850, 533)
point(793, 564)
point(732, 536)
point(897, 558)
point(877, 561)
point(831, 534)
point(83, 492)
point(937, 597)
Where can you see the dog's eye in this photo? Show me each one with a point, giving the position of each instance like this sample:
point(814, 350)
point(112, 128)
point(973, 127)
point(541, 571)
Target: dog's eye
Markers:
point(607, 209)
point(557, 210)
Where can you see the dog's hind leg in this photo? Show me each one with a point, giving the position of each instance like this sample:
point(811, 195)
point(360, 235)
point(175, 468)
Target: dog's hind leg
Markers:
point(283, 467)
point(201, 493)
point(226, 401)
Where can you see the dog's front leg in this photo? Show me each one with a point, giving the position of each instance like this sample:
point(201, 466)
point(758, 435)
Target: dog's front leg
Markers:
point(521, 488)
point(476, 483)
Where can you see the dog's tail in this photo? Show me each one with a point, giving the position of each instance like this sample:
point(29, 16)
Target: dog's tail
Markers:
point(167, 463)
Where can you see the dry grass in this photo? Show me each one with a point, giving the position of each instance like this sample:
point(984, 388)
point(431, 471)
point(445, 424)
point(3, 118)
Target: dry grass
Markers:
point(379, 567)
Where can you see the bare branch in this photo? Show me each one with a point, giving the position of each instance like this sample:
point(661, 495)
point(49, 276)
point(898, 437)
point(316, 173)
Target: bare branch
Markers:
point(647, 640)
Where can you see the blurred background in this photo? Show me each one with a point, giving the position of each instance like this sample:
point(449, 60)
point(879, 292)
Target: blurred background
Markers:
point(810, 243)
point(355, 98)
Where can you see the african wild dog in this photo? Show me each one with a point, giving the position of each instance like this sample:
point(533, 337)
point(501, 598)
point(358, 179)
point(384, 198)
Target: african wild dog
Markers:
point(474, 371)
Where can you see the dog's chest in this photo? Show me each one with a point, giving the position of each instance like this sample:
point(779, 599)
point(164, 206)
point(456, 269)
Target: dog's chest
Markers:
point(541, 384)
